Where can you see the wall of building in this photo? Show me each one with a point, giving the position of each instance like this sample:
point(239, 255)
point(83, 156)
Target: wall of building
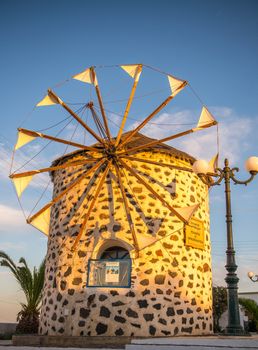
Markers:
point(249, 295)
point(171, 285)
point(7, 328)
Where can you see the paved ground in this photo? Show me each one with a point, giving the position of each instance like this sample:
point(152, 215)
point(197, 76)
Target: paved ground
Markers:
point(196, 343)
point(176, 343)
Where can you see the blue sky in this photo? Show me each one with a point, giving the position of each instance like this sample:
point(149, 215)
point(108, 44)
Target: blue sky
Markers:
point(212, 44)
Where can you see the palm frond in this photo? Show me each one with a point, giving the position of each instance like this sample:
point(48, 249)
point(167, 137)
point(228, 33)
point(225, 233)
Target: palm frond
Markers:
point(31, 283)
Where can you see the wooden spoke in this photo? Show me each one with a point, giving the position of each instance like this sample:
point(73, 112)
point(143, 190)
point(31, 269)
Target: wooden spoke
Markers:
point(158, 163)
point(76, 117)
point(96, 120)
point(146, 120)
point(127, 109)
point(92, 204)
point(53, 168)
point(150, 188)
point(100, 103)
point(169, 138)
point(56, 139)
point(127, 208)
point(57, 198)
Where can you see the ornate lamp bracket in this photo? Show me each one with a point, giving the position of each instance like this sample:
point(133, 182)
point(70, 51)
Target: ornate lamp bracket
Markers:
point(239, 182)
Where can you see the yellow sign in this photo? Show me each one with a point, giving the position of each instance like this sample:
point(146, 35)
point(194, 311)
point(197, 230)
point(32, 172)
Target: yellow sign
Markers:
point(194, 234)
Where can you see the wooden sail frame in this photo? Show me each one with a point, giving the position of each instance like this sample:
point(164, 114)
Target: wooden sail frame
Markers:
point(150, 189)
point(92, 205)
point(103, 113)
point(127, 208)
point(129, 102)
point(35, 134)
point(111, 152)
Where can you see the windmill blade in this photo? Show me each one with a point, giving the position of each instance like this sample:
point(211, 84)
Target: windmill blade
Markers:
point(22, 180)
point(206, 118)
point(31, 219)
point(21, 183)
point(103, 113)
point(171, 166)
point(97, 122)
point(98, 189)
point(75, 116)
point(176, 85)
point(146, 120)
point(132, 70)
point(49, 100)
point(86, 77)
point(57, 167)
point(181, 213)
point(127, 208)
point(133, 200)
point(89, 76)
point(26, 136)
point(42, 222)
point(146, 241)
point(135, 73)
point(203, 123)
point(213, 164)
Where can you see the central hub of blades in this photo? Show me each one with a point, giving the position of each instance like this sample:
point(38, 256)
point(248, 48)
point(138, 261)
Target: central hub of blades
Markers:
point(111, 153)
point(89, 105)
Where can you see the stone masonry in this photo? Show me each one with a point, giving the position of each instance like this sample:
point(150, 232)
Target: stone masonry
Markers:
point(171, 286)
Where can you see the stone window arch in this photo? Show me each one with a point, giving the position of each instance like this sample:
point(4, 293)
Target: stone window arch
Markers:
point(112, 268)
point(115, 252)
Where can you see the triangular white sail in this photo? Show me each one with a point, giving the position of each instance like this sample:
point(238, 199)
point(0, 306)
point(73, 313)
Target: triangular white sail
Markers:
point(145, 241)
point(132, 70)
point(48, 101)
point(187, 212)
point(20, 183)
point(42, 221)
point(86, 77)
point(23, 139)
point(213, 164)
point(176, 85)
point(206, 119)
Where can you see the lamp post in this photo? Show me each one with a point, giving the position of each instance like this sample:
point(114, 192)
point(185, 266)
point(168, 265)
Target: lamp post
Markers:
point(252, 276)
point(211, 178)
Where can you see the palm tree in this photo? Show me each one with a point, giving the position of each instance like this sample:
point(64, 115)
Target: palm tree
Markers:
point(31, 283)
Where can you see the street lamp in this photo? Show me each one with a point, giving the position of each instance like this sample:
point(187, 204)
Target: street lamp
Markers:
point(212, 177)
point(252, 276)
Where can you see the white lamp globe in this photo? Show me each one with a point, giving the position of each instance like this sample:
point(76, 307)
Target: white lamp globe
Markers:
point(200, 166)
point(251, 164)
point(250, 274)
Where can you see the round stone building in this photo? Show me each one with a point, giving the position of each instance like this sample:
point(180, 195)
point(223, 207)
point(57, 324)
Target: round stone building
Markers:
point(107, 288)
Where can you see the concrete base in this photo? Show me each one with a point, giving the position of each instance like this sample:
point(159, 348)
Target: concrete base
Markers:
point(71, 342)
point(109, 343)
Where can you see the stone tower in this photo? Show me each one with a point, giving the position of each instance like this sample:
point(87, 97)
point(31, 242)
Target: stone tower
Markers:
point(103, 287)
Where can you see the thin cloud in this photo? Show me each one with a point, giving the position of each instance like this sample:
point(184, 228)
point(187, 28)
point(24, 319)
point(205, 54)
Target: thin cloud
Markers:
point(10, 218)
point(39, 181)
point(168, 123)
point(6, 246)
point(234, 133)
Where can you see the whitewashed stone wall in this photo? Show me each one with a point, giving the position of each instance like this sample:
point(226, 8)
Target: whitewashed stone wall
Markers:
point(171, 287)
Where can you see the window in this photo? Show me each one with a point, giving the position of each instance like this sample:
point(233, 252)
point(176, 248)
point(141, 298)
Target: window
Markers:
point(115, 253)
point(113, 269)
